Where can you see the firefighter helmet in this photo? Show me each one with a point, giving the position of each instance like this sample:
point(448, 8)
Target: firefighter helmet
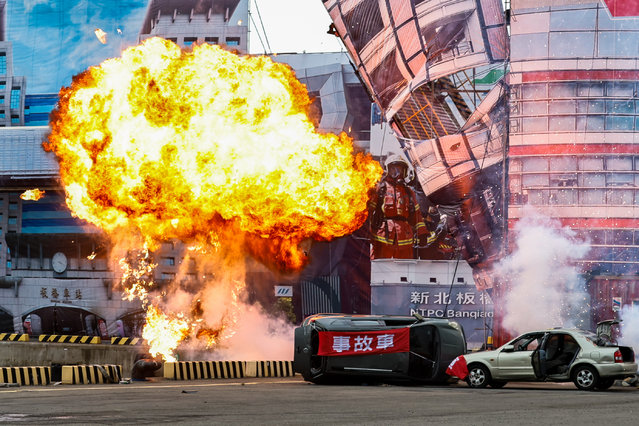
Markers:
point(399, 159)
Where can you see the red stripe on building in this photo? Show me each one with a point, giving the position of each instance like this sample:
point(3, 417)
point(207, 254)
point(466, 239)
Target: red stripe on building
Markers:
point(623, 7)
point(557, 149)
point(571, 75)
point(583, 222)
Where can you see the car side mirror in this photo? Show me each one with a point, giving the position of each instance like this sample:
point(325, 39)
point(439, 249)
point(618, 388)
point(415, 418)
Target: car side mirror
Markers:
point(508, 348)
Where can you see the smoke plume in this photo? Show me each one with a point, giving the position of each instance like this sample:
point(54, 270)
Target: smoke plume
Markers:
point(544, 286)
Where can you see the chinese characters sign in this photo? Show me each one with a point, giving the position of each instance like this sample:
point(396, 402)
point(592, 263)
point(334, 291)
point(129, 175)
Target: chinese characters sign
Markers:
point(363, 342)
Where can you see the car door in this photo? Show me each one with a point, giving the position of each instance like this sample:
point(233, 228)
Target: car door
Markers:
point(538, 358)
point(514, 360)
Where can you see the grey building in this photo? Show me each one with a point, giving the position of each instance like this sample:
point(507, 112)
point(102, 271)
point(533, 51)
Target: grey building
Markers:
point(223, 22)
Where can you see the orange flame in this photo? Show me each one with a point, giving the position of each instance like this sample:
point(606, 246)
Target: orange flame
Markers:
point(185, 144)
point(209, 148)
point(32, 194)
point(163, 332)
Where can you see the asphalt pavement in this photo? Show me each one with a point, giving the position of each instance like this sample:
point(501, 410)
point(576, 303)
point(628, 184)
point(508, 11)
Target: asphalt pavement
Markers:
point(291, 401)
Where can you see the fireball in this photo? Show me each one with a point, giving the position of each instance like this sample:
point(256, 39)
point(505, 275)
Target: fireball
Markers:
point(192, 144)
point(209, 148)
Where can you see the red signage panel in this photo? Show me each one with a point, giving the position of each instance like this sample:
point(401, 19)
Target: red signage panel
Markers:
point(620, 8)
point(336, 343)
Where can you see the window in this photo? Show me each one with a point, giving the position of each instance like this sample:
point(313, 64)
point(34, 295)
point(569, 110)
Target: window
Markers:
point(619, 123)
point(534, 91)
point(619, 163)
point(533, 164)
point(188, 41)
point(15, 98)
point(592, 180)
point(572, 44)
point(529, 46)
point(3, 63)
point(590, 107)
point(535, 125)
point(619, 179)
point(167, 276)
point(590, 89)
point(573, 19)
point(561, 107)
point(618, 44)
point(535, 180)
point(562, 123)
point(13, 205)
point(619, 197)
point(562, 90)
point(168, 261)
point(563, 163)
point(534, 108)
point(620, 107)
point(232, 41)
point(618, 89)
point(211, 40)
point(13, 221)
point(592, 196)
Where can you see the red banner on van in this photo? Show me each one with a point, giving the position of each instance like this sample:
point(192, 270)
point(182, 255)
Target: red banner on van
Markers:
point(336, 343)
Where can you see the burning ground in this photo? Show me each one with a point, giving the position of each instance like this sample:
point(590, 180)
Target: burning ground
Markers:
point(211, 149)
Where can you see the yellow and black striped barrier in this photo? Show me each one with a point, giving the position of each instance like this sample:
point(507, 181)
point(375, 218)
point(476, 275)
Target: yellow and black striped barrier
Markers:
point(63, 338)
point(14, 337)
point(91, 374)
point(26, 375)
point(192, 370)
point(269, 369)
point(127, 341)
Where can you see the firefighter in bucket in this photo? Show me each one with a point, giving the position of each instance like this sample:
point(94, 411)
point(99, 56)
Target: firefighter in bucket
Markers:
point(396, 222)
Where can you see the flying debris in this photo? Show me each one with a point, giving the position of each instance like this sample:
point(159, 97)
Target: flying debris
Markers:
point(101, 35)
point(32, 194)
point(119, 31)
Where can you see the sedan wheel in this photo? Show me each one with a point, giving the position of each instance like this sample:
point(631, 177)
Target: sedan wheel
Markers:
point(585, 377)
point(605, 384)
point(478, 376)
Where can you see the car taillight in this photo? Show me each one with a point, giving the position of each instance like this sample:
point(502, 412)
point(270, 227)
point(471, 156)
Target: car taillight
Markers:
point(618, 356)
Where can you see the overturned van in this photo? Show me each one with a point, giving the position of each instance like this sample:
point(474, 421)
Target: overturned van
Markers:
point(386, 348)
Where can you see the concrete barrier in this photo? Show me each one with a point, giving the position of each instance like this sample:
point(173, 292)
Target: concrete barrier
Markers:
point(192, 370)
point(63, 338)
point(25, 354)
point(26, 375)
point(127, 341)
point(91, 374)
point(14, 337)
point(269, 369)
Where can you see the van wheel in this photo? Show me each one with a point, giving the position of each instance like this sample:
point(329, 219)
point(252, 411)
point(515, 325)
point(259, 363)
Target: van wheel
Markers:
point(478, 376)
point(585, 377)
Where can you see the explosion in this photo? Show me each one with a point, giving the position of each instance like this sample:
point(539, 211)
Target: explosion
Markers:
point(208, 148)
point(32, 194)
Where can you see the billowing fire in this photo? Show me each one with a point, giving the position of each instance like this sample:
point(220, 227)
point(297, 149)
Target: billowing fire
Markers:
point(32, 194)
point(209, 148)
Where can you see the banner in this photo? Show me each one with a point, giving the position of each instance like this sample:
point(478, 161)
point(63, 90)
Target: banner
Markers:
point(336, 343)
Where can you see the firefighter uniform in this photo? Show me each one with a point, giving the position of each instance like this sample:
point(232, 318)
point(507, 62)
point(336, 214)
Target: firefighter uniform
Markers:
point(396, 221)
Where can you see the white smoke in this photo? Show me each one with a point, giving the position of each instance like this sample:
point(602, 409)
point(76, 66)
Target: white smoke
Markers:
point(630, 327)
point(545, 288)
